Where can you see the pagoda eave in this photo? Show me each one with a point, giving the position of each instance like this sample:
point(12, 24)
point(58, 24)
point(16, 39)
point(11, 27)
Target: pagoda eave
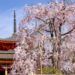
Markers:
point(7, 44)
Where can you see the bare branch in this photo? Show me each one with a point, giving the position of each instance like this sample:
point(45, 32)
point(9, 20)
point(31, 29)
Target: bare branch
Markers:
point(41, 20)
point(68, 31)
point(47, 30)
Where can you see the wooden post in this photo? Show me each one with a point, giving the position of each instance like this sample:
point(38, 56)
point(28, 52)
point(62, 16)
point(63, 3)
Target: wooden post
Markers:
point(6, 71)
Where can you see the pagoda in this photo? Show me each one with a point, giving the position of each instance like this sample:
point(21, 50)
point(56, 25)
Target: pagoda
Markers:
point(7, 50)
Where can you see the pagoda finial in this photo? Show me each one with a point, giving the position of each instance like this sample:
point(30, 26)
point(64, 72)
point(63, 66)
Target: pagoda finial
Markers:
point(14, 22)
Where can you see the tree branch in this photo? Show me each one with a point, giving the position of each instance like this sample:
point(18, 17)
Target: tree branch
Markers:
point(68, 31)
point(47, 30)
point(41, 20)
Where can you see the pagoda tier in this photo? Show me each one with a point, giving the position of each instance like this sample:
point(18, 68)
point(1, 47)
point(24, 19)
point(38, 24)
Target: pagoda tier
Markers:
point(7, 45)
point(6, 54)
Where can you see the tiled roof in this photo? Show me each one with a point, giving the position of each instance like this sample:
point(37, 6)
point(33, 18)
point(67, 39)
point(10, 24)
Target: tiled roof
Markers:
point(7, 45)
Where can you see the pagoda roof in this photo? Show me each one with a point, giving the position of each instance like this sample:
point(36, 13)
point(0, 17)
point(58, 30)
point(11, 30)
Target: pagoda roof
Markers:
point(7, 44)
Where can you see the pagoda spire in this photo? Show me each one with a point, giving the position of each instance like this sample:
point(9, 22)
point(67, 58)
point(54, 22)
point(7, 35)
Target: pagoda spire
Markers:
point(14, 30)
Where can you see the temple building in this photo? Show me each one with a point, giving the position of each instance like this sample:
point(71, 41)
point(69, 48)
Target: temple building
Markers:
point(7, 50)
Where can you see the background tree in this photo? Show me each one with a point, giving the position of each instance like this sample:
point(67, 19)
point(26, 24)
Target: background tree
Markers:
point(54, 16)
point(52, 26)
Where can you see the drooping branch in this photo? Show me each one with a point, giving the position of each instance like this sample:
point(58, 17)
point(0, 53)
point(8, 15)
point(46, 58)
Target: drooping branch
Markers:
point(68, 31)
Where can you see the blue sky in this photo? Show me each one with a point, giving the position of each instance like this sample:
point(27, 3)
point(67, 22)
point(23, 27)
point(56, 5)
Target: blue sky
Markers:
point(9, 4)
point(6, 14)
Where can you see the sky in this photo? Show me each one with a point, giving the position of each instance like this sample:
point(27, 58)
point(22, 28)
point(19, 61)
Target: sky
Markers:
point(6, 14)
